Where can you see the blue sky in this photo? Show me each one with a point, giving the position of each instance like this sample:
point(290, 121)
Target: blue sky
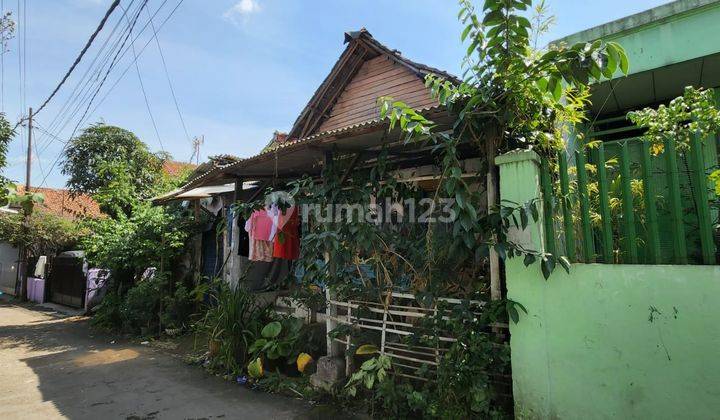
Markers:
point(240, 68)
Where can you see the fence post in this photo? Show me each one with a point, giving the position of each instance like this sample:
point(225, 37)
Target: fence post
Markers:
point(566, 207)
point(627, 204)
point(697, 166)
point(607, 236)
point(650, 209)
point(547, 194)
point(677, 224)
point(587, 243)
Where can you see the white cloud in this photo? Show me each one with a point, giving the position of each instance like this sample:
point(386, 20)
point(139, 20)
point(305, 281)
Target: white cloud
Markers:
point(241, 11)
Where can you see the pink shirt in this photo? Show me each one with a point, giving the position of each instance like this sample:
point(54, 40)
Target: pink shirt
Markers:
point(260, 225)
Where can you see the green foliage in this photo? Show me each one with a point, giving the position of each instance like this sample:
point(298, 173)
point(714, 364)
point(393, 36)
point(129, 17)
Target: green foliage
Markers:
point(695, 113)
point(95, 158)
point(6, 134)
point(142, 309)
point(372, 373)
point(510, 96)
point(46, 234)
point(235, 319)
point(178, 307)
point(461, 386)
point(279, 339)
point(130, 244)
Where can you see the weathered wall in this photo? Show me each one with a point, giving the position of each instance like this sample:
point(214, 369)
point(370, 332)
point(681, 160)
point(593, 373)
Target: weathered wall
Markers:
point(617, 341)
point(610, 341)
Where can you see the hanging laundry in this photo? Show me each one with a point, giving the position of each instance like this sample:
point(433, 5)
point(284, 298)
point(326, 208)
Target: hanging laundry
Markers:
point(287, 242)
point(259, 227)
point(243, 237)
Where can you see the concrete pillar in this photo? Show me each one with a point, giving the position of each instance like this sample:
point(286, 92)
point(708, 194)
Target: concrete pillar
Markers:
point(520, 182)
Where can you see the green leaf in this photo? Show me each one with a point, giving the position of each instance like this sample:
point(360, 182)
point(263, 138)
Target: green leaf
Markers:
point(548, 266)
point(465, 32)
point(529, 259)
point(257, 345)
point(493, 18)
point(512, 312)
point(271, 330)
point(565, 263)
point(367, 349)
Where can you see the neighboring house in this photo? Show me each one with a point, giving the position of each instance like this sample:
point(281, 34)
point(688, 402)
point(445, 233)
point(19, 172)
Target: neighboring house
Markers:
point(630, 332)
point(174, 168)
point(59, 202)
point(63, 203)
point(342, 117)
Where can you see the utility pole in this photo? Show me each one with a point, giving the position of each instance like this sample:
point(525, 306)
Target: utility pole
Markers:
point(22, 249)
point(197, 142)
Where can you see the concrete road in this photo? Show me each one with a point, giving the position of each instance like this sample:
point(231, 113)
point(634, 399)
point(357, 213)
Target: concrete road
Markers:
point(54, 366)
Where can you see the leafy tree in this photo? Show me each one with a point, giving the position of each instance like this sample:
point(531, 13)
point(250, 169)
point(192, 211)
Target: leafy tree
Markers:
point(510, 96)
point(6, 134)
point(46, 233)
point(94, 159)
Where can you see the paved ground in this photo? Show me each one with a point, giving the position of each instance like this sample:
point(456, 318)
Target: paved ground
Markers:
point(54, 366)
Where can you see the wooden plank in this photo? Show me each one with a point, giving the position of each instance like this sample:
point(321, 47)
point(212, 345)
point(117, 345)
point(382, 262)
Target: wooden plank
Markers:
point(588, 247)
point(373, 94)
point(407, 91)
point(390, 87)
point(700, 193)
point(418, 100)
point(677, 224)
point(361, 82)
point(651, 221)
point(566, 207)
point(627, 205)
point(607, 237)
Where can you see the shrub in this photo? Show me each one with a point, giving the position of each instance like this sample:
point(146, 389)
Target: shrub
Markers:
point(234, 319)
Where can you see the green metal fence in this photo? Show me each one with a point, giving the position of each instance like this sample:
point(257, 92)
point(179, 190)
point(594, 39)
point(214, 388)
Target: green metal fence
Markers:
point(618, 203)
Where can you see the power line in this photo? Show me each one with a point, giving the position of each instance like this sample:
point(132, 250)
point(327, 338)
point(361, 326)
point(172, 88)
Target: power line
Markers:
point(82, 53)
point(84, 80)
point(139, 54)
point(167, 76)
point(147, 102)
point(112, 65)
point(102, 100)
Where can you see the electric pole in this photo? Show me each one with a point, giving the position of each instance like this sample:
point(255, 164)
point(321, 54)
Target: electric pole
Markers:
point(22, 249)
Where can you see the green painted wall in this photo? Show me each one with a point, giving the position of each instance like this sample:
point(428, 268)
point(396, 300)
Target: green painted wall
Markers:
point(592, 346)
point(668, 34)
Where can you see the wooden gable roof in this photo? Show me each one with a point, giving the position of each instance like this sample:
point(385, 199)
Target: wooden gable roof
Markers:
point(365, 71)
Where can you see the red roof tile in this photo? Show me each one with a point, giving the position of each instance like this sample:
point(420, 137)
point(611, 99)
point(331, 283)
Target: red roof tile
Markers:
point(61, 202)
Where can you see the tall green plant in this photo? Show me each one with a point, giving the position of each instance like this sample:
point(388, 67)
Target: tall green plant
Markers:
point(510, 96)
point(234, 320)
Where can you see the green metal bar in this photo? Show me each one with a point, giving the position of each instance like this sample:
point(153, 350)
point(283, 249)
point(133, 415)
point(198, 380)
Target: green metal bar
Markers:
point(547, 206)
point(677, 224)
point(609, 120)
point(588, 247)
point(651, 221)
point(613, 131)
point(627, 201)
point(607, 237)
point(566, 207)
point(697, 165)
